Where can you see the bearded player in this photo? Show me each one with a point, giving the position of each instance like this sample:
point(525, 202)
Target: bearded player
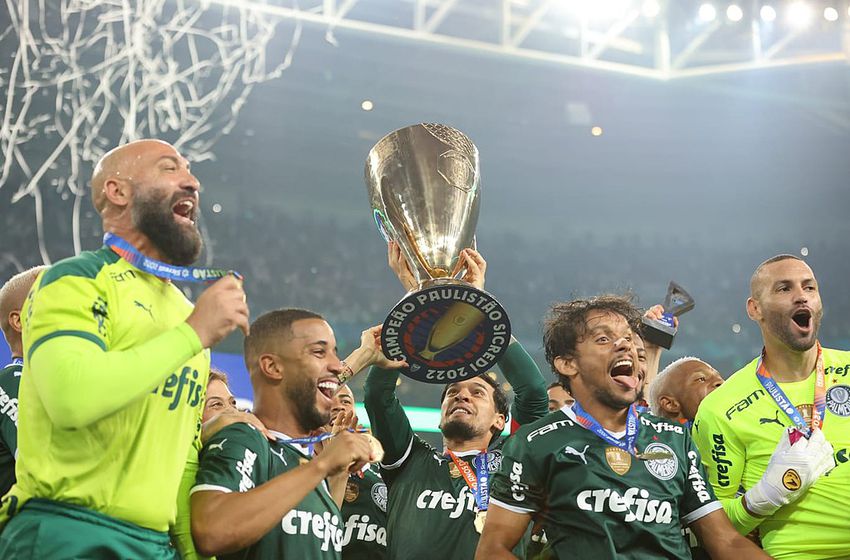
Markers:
point(795, 394)
point(606, 482)
point(115, 364)
point(433, 511)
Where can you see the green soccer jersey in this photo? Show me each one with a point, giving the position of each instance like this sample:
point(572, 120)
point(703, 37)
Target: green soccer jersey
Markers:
point(127, 464)
point(737, 428)
point(10, 381)
point(598, 500)
point(237, 459)
point(364, 514)
point(431, 509)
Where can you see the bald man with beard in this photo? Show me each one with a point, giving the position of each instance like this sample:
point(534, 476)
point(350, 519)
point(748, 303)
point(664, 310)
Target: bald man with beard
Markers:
point(680, 388)
point(116, 361)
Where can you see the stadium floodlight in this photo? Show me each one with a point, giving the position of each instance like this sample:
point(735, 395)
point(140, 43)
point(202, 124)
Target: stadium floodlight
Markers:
point(734, 12)
point(830, 14)
point(651, 8)
point(799, 14)
point(767, 13)
point(707, 12)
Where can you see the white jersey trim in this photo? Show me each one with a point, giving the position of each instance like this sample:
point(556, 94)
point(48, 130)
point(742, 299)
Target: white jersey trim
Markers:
point(509, 507)
point(404, 457)
point(208, 487)
point(701, 512)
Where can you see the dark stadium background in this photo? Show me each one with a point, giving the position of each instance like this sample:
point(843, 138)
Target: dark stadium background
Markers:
point(696, 179)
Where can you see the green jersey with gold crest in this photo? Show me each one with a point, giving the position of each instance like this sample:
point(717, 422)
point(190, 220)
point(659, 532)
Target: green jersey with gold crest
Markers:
point(595, 498)
point(431, 510)
point(364, 514)
point(128, 463)
point(239, 458)
point(737, 428)
point(10, 381)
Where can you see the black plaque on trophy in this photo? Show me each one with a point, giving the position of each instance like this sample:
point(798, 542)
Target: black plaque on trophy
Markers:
point(661, 332)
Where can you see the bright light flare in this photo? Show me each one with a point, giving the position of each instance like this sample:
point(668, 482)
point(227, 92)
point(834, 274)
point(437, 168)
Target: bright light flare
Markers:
point(767, 13)
point(830, 14)
point(651, 8)
point(799, 14)
point(707, 13)
point(734, 12)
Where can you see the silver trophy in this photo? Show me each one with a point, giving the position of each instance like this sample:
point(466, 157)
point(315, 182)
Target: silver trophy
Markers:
point(423, 183)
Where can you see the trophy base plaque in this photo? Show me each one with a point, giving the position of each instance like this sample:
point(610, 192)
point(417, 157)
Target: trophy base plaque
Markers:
point(660, 333)
point(447, 331)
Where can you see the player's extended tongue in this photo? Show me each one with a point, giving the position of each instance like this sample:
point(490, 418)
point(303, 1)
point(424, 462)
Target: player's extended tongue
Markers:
point(627, 380)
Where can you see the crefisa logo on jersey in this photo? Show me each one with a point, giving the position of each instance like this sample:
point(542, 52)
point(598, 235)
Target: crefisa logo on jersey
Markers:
point(447, 333)
point(838, 400)
point(662, 469)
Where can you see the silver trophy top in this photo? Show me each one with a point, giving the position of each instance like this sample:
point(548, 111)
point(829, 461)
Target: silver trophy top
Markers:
point(423, 183)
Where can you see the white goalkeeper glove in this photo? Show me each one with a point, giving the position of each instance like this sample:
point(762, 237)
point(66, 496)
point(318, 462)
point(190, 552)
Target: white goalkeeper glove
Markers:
point(794, 466)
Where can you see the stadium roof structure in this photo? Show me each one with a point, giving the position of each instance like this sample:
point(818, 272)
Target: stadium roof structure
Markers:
point(657, 39)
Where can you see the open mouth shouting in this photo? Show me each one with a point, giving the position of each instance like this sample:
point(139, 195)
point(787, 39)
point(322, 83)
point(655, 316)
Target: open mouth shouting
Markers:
point(327, 387)
point(624, 374)
point(185, 211)
point(802, 321)
point(460, 410)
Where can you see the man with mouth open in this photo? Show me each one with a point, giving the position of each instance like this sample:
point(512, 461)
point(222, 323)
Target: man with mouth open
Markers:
point(606, 481)
point(433, 511)
point(796, 393)
point(115, 365)
point(256, 499)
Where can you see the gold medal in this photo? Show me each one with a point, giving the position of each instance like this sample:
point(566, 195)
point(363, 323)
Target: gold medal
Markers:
point(352, 490)
point(480, 518)
point(619, 460)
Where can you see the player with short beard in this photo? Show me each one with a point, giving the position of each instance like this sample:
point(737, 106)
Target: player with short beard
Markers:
point(432, 513)
point(605, 481)
point(795, 393)
point(261, 499)
point(115, 363)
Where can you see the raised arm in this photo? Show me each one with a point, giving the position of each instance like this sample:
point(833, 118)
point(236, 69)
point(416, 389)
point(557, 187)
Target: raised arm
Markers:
point(522, 373)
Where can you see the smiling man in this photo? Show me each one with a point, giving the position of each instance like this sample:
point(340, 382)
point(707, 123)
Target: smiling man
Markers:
point(604, 480)
point(256, 499)
point(795, 393)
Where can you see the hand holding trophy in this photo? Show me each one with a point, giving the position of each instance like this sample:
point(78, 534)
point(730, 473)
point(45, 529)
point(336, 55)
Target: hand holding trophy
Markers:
point(423, 183)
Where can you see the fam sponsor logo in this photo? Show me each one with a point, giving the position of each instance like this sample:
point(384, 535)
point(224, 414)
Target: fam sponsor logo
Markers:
point(635, 503)
point(696, 479)
point(744, 403)
point(174, 386)
point(324, 527)
point(445, 501)
point(661, 427)
point(245, 468)
point(838, 400)
point(357, 527)
point(548, 428)
point(662, 469)
point(9, 406)
point(718, 455)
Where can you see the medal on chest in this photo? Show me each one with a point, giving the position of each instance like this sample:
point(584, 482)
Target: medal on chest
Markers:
point(480, 518)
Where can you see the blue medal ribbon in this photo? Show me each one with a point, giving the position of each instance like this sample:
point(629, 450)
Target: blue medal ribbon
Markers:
point(160, 269)
point(479, 481)
point(627, 443)
point(15, 362)
point(785, 405)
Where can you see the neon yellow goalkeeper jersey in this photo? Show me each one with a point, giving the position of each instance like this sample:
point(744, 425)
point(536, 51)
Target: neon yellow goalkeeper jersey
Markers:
point(737, 429)
point(128, 463)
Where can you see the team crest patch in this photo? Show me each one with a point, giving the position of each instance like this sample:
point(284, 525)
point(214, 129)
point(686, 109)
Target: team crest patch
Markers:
point(791, 480)
point(352, 490)
point(838, 400)
point(494, 461)
point(620, 461)
point(662, 469)
point(454, 471)
point(379, 495)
